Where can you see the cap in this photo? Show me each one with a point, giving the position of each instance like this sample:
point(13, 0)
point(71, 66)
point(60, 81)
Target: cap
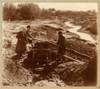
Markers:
point(59, 32)
point(28, 26)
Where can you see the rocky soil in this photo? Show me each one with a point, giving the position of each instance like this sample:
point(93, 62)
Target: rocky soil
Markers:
point(67, 73)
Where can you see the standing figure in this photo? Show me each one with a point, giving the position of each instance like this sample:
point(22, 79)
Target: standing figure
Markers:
point(21, 43)
point(61, 46)
point(29, 36)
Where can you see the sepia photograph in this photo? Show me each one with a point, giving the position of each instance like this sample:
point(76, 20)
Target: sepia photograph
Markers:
point(49, 44)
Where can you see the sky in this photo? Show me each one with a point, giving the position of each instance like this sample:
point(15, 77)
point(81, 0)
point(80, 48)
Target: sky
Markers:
point(70, 6)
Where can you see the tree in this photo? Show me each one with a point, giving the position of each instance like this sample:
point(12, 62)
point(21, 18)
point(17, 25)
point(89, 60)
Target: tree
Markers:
point(9, 11)
point(44, 13)
point(29, 11)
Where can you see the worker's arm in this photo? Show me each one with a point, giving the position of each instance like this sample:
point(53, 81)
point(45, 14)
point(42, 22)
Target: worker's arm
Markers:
point(30, 35)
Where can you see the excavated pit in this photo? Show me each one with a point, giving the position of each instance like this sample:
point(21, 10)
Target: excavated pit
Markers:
point(24, 72)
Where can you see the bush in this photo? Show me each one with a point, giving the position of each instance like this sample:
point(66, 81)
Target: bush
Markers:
point(29, 11)
point(21, 12)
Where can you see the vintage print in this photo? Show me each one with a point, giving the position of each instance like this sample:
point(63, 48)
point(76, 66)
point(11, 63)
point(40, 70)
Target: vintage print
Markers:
point(49, 44)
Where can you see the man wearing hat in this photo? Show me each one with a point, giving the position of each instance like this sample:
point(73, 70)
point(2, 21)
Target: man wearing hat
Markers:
point(24, 37)
point(28, 34)
point(61, 46)
point(21, 43)
point(29, 38)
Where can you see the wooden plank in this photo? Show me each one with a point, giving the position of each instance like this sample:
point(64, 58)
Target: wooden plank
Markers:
point(78, 53)
point(74, 59)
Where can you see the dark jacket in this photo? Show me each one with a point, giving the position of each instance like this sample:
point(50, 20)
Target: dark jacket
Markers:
point(21, 43)
point(61, 44)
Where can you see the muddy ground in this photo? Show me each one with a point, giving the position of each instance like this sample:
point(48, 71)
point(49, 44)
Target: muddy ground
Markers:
point(65, 74)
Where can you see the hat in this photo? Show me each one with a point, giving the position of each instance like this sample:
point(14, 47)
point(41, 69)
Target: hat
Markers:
point(59, 32)
point(28, 26)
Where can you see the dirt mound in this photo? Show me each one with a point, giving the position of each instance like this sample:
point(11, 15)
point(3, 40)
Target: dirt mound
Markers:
point(66, 73)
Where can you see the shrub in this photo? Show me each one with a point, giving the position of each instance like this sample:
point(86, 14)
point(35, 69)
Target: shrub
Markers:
point(29, 11)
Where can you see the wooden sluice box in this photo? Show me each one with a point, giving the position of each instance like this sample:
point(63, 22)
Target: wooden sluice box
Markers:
point(43, 51)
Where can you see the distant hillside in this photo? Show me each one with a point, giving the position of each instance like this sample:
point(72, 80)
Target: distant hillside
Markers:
point(91, 28)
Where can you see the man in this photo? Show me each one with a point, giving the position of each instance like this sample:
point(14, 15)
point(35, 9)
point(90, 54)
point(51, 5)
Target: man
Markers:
point(21, 43)
point(29, 38)
point(24, 37)
point(28, 34)
point(61, 46)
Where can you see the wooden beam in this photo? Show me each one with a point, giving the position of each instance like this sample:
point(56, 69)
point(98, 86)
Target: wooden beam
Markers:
point(78, 53)
point(74, 59)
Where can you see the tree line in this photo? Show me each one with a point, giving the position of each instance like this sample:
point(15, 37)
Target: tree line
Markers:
point(31, 11)
point(20, 12)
